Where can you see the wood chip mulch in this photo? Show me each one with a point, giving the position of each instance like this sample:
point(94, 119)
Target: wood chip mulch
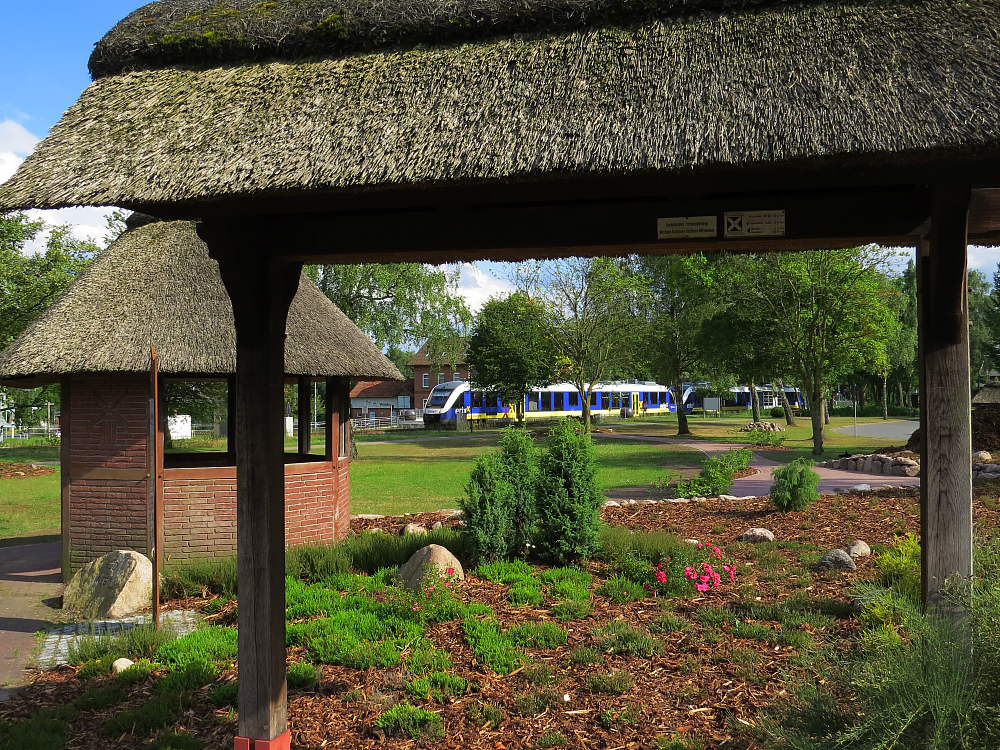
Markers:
point(20, 471)
point(706, 684)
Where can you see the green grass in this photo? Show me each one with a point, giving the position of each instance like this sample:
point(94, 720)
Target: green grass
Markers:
point(27, 454)
point(30, 505)
point(425, 476)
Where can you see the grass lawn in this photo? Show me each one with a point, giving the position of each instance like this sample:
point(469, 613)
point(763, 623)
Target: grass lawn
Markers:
point(27, 454)
point(29, 506)
point(415, 477)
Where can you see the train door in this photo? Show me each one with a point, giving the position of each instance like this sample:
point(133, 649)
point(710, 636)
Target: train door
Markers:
point(636, 404)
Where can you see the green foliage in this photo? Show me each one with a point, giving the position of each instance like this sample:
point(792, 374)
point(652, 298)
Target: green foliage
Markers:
point(405, 719)
point(426, 658)
point(370, 553)
point(551, 739)
point(538, 635)
point(716, 477)
point(615, 682)
point(763, 438)
point(362, 634)
point(488, 505)
point(156, 713)
point(535, 702)
point(315, 562)
point(139, 671)
point(619, 637)
point(95, 668)
point(199, 577)
point(668, 623)
point(540, 675)
point(225, 694)
point(176, 741)
point(525, 593)
point(34, 733)
point(506, 571)
point(481, 714)
point(899, 567)
point(213, 644)
point(491, 645)
point(520, 460)
point(191, 674)
point(620, 589)
point(584, 655)
point(99, 698)
point(777, 412)
point(438, 686)
point(569, 500)
point(571, 609)
point(302, 674)
point(796, 486)
point(139, 642)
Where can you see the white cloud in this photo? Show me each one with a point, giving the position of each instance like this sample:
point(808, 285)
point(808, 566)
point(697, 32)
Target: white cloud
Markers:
point(477, 285)
point(86, 223)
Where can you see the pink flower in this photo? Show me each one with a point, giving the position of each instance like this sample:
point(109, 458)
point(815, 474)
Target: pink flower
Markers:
point(450, 572)
point(430, 588)
point(661, 576)
point(702, 587)
point(717, 552)
point(689, 573)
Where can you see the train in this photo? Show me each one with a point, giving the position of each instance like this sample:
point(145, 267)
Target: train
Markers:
point(450, 400)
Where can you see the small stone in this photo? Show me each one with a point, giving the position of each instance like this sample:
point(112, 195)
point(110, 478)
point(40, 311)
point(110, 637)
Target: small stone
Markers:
point(120, 665)
point(861, 488)
point(437, 525)
point(677, 500)
point(375, 530)
point(368, 516)
point(837, 559)
point(727, 497)
point(858, 548)
point(647, 502)
point(612, 504)
point(433, 557)
point(747, 497)
point(450, 512)
point(984, 456)
point(757, 536)
point(414, 528)
point(692, 541)
point(114, 585)
point(630, 501)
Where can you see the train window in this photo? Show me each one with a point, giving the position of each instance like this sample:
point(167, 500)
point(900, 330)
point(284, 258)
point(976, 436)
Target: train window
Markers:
point(477, 399)
point(546, 401)
point(533, 401)
point(574, 399)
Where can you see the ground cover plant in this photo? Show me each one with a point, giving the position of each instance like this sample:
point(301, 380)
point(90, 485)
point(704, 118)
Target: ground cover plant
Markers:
point(520, 653)
point(716, 476)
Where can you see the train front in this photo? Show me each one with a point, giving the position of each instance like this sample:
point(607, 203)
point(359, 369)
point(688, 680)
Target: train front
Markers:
point(443, 401)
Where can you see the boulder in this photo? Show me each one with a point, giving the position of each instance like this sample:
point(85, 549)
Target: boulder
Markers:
point(114, 585)
point(858, 548)
point(437, 525)
point(912, 471)
point(612, 504)
point(367, 516)
point(837, 559)
point(450, 512)
point(414, 528)
point(982, 456)
point(120, 665)
point(692, 541)
point(432, 558)
point(757, 536)
point(861, 488)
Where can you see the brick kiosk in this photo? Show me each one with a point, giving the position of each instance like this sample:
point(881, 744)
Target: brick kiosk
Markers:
point(156, 286)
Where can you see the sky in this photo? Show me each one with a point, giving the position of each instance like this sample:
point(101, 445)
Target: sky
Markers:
point(43, 69)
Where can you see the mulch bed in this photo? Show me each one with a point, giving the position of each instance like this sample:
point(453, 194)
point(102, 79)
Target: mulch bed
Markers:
point(693, 688)
point(20, 471)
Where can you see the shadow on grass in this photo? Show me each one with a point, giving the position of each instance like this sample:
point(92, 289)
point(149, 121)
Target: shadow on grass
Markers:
point(37, 538)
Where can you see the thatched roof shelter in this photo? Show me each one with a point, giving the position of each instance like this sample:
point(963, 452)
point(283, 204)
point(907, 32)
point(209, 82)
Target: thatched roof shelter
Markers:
point(157, 286)
point(196, 101)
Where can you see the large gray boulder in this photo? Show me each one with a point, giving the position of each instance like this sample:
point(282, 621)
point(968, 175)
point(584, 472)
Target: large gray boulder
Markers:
point(757, 536)
point(114, 585)
point(837, 559)
point(432, 559)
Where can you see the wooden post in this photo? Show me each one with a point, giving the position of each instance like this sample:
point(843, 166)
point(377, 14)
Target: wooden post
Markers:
point(332, 420)
point(945, 402)
point(305, 413)
point(261, 289)
point(65, 406)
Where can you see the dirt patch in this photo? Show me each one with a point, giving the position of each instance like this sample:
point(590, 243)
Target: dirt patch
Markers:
point(21, 471)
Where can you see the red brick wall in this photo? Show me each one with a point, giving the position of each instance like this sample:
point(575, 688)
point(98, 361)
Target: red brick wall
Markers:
point(199, 508)
point(107, 489)
point(420, 393)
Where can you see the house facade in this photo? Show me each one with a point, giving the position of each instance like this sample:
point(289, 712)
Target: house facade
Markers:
point(428, 372)
point(380, 398)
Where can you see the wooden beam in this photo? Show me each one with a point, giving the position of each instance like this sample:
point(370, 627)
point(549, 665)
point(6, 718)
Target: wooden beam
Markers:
point(65, 407)
point(332, 420)
point(304, 413)
point(261, 290)
point(945, 414)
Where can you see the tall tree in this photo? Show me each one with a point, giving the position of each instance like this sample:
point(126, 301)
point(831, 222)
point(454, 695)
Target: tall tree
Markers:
point(980, 350)
point(509, 350)
point(830, 311)
point(682, 297)
point(593, 305)
point(399, 303)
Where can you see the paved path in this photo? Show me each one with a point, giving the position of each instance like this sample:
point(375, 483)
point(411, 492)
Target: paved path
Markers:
point(894, 429)
point(760, 483)
point(30, 593)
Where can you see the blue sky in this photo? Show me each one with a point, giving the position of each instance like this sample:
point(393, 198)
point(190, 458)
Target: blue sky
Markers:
point(43, 69)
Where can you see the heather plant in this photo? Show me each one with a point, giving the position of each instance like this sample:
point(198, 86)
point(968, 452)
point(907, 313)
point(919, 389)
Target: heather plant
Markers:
point(568, 496)
point(405, 719)
point(796, 486)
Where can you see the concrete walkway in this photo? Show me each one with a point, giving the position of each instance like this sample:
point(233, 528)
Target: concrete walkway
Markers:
point(894, 429)
point(760, 483)
point(30, 596)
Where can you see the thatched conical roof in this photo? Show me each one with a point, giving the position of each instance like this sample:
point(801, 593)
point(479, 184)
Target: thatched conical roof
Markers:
point(197, 101)
point(157, 286)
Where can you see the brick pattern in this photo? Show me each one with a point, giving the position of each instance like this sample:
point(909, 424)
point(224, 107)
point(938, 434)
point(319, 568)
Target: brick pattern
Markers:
point(108, 429)
point(420, 393)
point(199, 514)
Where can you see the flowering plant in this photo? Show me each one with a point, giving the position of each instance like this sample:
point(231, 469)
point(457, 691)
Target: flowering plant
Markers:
point(705, 576)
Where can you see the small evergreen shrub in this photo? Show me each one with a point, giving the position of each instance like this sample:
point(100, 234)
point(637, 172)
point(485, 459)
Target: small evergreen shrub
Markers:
point(535, 702)
point(405, 719)
point(571, 609)
point(616, 682)
point(302, 674)
point(583, 655)
point(569, 499)
point(555, 577)
point(200, 577)
point(525, 593)
point(540, 675)
point(488, 505)
point(668, 623)
point(505, 571)
point(538, 635)
point(899, 567)
point(139, 642)
point(551, 739)
point(519, 457)
point(314, 562)
point(716, 477)
point(96, 668)
point(211, 643)
point(764, 438)
point(193, 673)
point(438, 686)
point(622, 590)
point(175, 741)
point(224, 694)
point(481, 714)
point(796, 486)
point(138, 672)
point(429, 659)
point(367, 635)
point(34, 733)
point(777, 412)
point(100, 698)
point(154, 714)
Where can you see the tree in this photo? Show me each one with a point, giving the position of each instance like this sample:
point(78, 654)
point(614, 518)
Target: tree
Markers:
point(29, 283)
point(399, 303)
point(682, 297)
point(592, 306)
point(509, 351)
point(830, 311)
point(980, 336)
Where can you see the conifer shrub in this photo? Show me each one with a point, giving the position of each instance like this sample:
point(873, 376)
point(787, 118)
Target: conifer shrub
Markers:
point(519, 458)
point(796, 486)
point(568, 496)
point(489, 509)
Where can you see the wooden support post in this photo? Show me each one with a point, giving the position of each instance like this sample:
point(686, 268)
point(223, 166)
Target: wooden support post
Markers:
point(945, 402)
point(261, 290)
point(66, 407)
point(305, 413)
point(332, 420)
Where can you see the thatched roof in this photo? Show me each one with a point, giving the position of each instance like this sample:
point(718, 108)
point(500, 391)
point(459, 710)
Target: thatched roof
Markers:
point(600, 87)
point(157, 286)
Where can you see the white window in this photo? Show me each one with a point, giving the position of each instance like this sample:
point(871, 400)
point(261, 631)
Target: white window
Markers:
point(440, 377)
point(426, 382)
